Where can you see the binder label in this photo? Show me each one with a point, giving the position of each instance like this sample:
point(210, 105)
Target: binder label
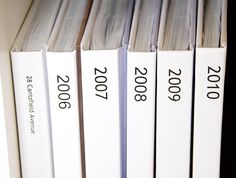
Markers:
point(101, 83)
point(213, 79)
point(63, 88)
point(31, 109)
point(174, 85)
point(140, 81)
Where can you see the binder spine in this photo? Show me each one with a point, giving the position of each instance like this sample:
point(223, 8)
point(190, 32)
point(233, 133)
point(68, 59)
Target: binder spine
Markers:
point(63, 94)
point(173, 113)
point(32, 114)
point(208, 111)
point(102, 119)
point(141, 84)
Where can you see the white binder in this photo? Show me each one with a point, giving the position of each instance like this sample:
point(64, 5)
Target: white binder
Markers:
point(31, 90)
point(174, 100)
point(63, 88)
point(209, 95)
point(104, 106)
point(141, 89)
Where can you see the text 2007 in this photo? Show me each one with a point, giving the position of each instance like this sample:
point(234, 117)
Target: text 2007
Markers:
point(101, 83)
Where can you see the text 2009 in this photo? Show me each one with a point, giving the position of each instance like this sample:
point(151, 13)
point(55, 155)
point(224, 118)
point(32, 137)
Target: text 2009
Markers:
point(174, 84)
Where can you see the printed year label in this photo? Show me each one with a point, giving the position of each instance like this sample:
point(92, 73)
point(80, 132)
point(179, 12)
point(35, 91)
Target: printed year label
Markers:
point(63, 88)
point(101, 83)
point(140, 88)
point(213, 78)
point(174, 88)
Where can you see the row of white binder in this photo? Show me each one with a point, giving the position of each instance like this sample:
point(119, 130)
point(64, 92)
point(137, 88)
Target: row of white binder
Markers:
point(120, 88)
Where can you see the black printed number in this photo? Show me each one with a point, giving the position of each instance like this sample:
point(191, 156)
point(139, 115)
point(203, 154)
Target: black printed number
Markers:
point(213, 79)
point(174, 85)
point(63, 89)
point(101, 83)
point(140, 84)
